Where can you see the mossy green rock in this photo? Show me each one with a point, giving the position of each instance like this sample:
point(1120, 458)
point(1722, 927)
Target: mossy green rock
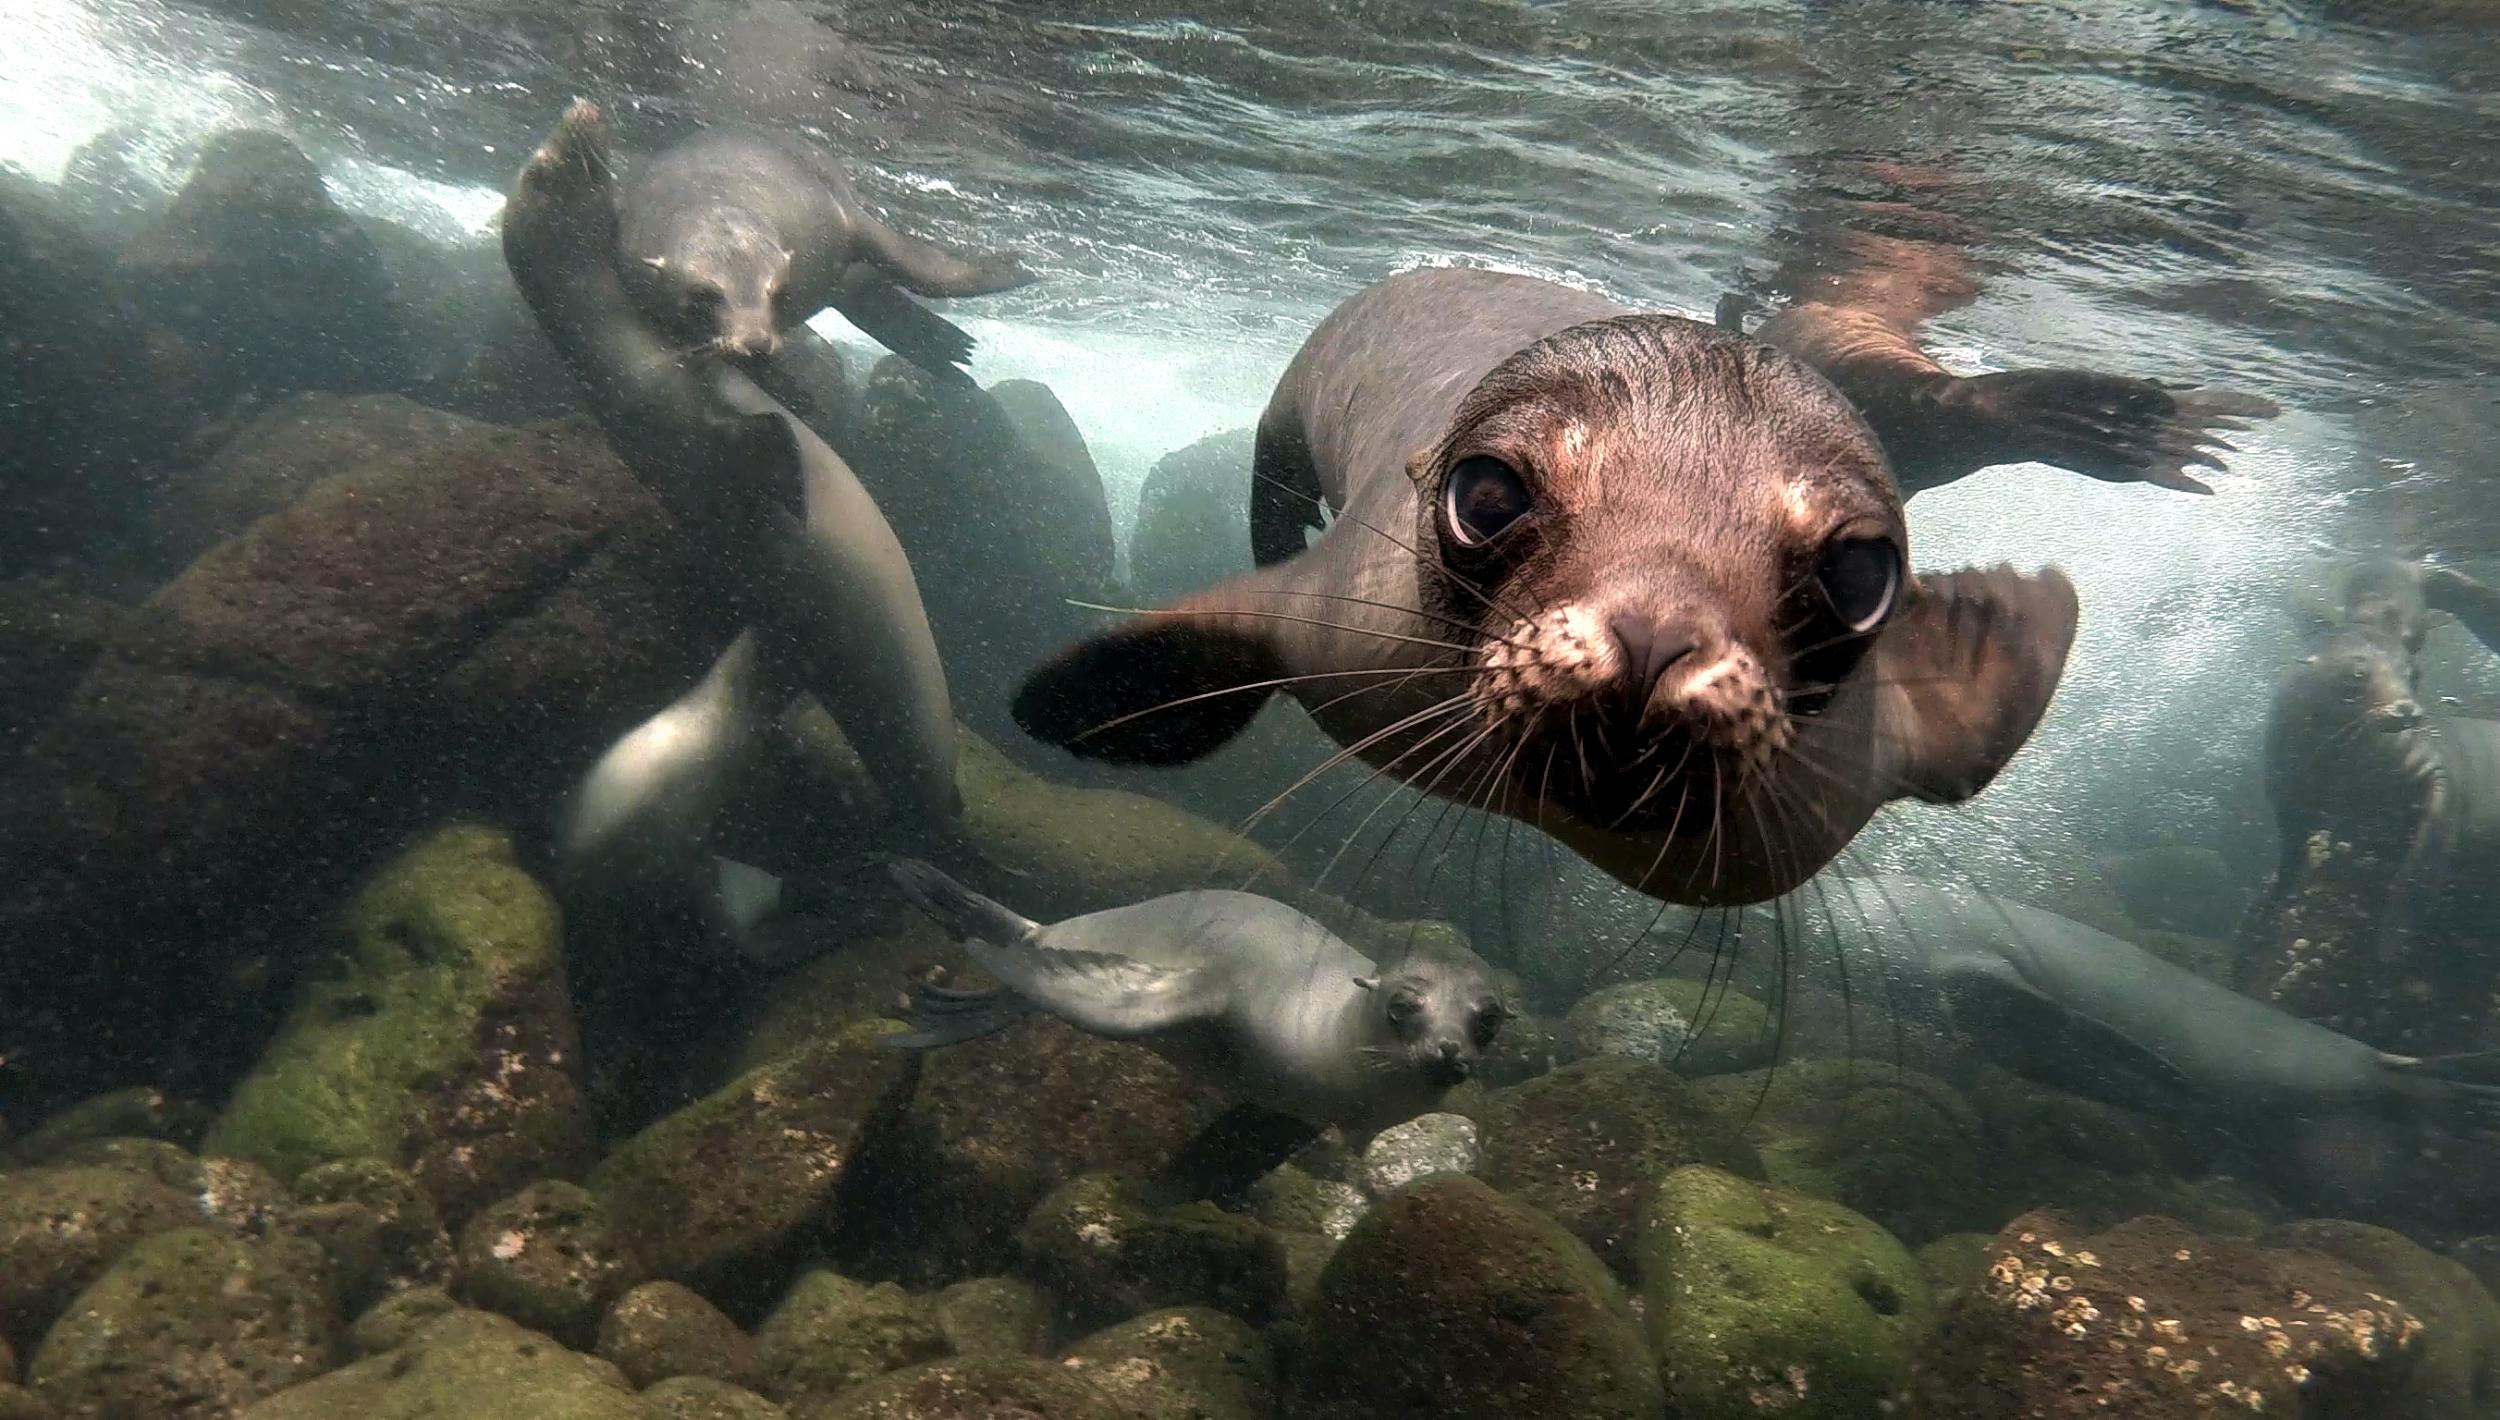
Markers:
point(1583, 1143)
point(2459, 1368)
point(1951, 1263)
point(1902, 1148)
point(1103, 1252)
point(1452, 1300)
point(18, 1403)
point(441, 1042)
point(832, 1333)
point(1188, 1363)
point(660, 1331)
point(972, 1388)
point(189, 1323)
point(381, 1229)
point(992, 1316)
point(1291, 1200)
point(1693, 1027)
point(724, 1194)
point(549, 1258)
point(389, 1323)
point(700, 1398)
point(139, 1112)
point(1761, 1300)
point(466, 1366)
point(60, 1228)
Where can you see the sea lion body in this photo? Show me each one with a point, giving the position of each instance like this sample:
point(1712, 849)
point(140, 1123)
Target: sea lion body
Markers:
point(735, 234)
point(1686, 493)
point(1242, 991)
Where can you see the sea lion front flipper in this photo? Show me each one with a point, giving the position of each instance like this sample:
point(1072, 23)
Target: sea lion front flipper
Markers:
point(1235, 1150)
point(1170, 687)
point(1965, 672)
point(2110, 427)
point(2042, 1039)
point(931, 270)
point(2475, 605)
point(894, 320)
point(1115, 997)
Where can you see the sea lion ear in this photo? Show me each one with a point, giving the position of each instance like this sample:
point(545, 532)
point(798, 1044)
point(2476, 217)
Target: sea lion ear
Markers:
point(1367, 983)
point(1965, 670)
point(656, 263)
point(1170, 687)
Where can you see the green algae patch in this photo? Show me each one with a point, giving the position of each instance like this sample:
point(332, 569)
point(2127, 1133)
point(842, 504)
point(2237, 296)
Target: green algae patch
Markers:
point(438, 1040)
point(474, 1365)
point(1759, 1301)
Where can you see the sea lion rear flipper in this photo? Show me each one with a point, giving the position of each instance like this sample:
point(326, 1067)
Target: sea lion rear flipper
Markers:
point(899, 323)
point(939, 1017)
point(961, 911)
point(932, 270)
point(2110, 427)
point(1169, 687)
point(1115, 997)
point(1966, 670)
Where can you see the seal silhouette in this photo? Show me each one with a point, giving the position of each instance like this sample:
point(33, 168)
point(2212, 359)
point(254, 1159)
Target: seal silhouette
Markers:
point(1631, 579)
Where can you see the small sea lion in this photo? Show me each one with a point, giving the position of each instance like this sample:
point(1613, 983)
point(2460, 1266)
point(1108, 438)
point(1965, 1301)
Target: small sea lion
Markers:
point(792, 547)
point(1240, 990)
point(1628, 578)
point(735, 234)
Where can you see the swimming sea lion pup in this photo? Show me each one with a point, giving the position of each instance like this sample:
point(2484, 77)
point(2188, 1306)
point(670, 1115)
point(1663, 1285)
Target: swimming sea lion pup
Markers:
point(734, 235)
point(1630, 579)
point(1244, 992)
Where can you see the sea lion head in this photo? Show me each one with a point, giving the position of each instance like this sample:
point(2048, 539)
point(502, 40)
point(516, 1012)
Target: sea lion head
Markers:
point(717, 279)
point(2357, 677)
point(1434, 1012)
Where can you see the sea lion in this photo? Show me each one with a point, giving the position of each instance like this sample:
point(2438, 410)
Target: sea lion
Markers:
point(1240, 990)
point(825, 590)
point(1630, 579)
point(735, 234)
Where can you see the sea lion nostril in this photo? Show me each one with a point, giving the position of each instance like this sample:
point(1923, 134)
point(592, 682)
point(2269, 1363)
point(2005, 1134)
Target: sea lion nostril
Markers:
point(1650, 650)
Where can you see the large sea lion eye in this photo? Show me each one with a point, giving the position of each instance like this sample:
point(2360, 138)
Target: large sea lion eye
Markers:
point(1401, 1011)
point(1860, 578)
point(1482, 497)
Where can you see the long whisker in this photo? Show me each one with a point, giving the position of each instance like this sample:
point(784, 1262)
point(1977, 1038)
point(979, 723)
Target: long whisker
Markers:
point(1449, 621)
point(1321, 622)
point(1278, 681)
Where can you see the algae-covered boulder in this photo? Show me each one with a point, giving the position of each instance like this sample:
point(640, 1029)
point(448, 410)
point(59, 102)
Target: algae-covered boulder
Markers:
point(1695, 1027)
point(465, 1366)
point(701, 1398)
point(1953, 1262)
point(233, 1194)
point(1103, 1252)
point(992, 1316)
point(441, 1041)
point(2154, 1322)
point(1900, 1147)
point(660, 1330)
point(139, 1112)
point(1759, 1300)
point(389, 1323)
point(1186, 1362)
point(60, 1228)
point(190, 1323)
point(2458, 1372)
point(1293, 1201)
point(549, 1258)
point(1452, 1300)
point(382, 1231)
point(723, 1194)
point(19, 1403)
point(1426, 1144)
point(1585, 1142)
point(973, 1388)
point(1193, 519)
point(832, 1333)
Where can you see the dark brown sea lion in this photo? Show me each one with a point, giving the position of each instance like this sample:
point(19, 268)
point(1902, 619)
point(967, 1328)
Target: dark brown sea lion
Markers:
point(1636, 581)
point(736, 234)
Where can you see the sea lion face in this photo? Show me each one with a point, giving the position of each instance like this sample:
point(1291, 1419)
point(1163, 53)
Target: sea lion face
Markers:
point(2359, 678)
point(720, 282)
point(1437, 1017)
point(1675, 545)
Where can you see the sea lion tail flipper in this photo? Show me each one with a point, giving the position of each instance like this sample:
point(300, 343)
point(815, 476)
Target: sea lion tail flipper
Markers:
point(2111, 427)
point(964, 914)
point(1965, 672)
point(931, 270)
point(1170, 687)
point(899, 323)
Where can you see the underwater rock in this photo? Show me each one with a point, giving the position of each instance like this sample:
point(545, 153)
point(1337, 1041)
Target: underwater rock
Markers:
point(382, 1231)
point(50, 633)
point(725, 1194)
point(2458, 1367)
point(60, 1228)
point(1655, 1020)
point(469, 1364)
point(1953, 1262)
point(992, 1316)
point(1082, 548)
point(2176, 887)
point(1193, 519)
point(700, 1398)
point(441, 1040)
point(1186, 1361)
point(1103, 1252)
point(1759, 1301)
point(139, 1112)
point(475, 618)
point(1293, 1201)
point(1899, 1147)
point(1585, 1142)
point(844, 990)
point(1429, 1143)
point(549, 1258)
point(2100, 1165)
point(973, 1388)
point(232, 1194)
point(390, 1323)
point(18, 1403)
point(1529, 1045)
point(660, 1331)
point(1450, 1299)
point(2154, 1322)
point(254, 281)
point(831, 1333)
point(190, 1323)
